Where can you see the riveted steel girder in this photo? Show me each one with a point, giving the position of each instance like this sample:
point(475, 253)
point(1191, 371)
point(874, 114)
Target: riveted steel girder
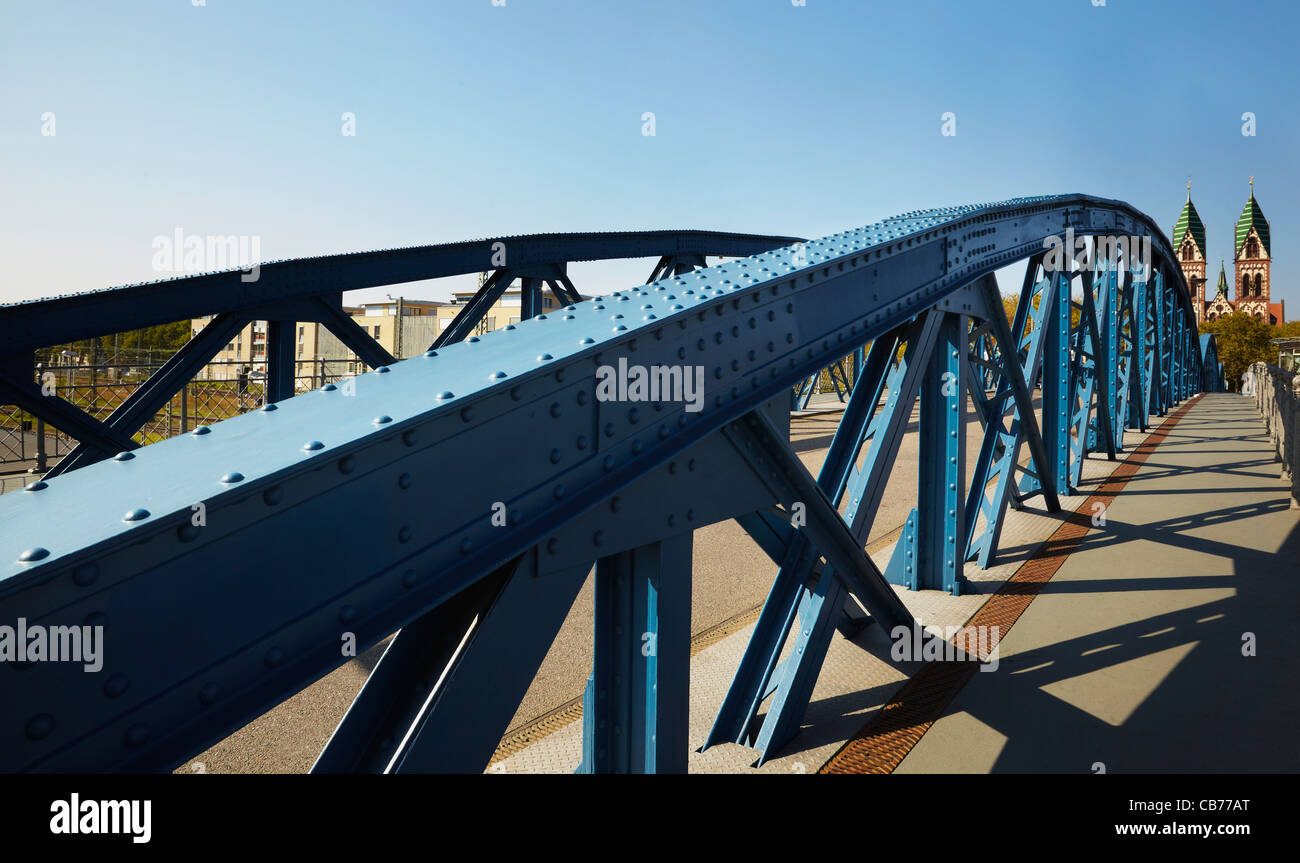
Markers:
point(207, 625)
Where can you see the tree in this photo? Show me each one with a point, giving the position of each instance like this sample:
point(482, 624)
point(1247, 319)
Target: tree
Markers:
point(1242, 340)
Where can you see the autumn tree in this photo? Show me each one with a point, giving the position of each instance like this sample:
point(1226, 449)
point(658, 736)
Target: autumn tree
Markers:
point(1241, 340)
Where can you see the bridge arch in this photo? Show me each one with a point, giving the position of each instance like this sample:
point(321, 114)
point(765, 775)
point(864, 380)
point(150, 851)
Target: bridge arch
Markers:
point(620, 485)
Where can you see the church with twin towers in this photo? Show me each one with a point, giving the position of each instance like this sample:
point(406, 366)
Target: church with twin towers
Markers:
point(1252, 258)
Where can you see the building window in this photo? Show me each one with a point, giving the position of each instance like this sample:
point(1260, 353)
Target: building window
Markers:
point(1259, 281)
point(376, 330)
point(1245, 285)
point(299, 350)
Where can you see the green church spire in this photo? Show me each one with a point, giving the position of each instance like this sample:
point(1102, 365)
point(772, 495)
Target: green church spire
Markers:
point(1189, 221)
point(1252, 217)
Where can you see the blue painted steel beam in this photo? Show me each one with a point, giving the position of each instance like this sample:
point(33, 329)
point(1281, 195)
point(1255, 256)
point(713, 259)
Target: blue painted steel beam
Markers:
point(467, 319)
point(1021, 350)
point(94, 434)
point(151, 396)
point(280, 344)
point(238, 642)
point(1056, 383)
point(635, 710)
point(941, 487)
point(397, 691)
point(472, 701)
point(802, 594)
point(41, 323)
point(329, 311)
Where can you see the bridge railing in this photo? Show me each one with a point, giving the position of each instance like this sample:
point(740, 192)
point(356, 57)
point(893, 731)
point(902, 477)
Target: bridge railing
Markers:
point(1277, 395)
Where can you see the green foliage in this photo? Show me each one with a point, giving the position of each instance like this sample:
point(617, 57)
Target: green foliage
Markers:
point(151, 344)
point(1242, 340)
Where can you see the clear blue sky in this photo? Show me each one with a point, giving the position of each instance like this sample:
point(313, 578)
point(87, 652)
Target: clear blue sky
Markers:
point(474, 120)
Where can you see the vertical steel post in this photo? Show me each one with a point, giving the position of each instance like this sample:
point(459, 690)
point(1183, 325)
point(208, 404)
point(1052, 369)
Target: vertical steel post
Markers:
point(279, 355)
point(1056, 384)
point(530, 301)
point(1111, 358)
point(635, 709)
point(941, 483)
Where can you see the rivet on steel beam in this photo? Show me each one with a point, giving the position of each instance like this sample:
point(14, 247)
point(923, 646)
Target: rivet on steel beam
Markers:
point(33, 554)
point(40, 726)
point(430, 353)
point(233, 477)
point(382, 370)
point(136, 515)
point(558, 492)
point(404, 481)
point(347, 613)
point(116, 685)
point(39, 485)
point(497, 375)
point(347, 464)
point(328, 388)
point(124, 456)
point(267, 408)
point(187, 532)
point(608, 462)
point(382, 419)
point(466, 414)
point(445, 394)
point(273, 657)
point(199, 431)
point(404, 533)
point(587, 341)
point(409, 578)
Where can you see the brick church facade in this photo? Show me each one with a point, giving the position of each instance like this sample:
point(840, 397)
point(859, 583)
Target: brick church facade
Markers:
point(1252, 258)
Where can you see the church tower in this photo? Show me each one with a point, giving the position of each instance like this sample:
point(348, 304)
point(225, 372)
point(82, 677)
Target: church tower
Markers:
point(1253, 258)
point(1216, 308)
point(1189, 245)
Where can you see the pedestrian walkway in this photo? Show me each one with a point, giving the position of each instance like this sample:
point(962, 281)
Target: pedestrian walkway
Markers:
point(1154, 640)
point(1165, 642)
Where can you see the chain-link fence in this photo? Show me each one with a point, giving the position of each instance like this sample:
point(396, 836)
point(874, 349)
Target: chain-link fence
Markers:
point(220, 391)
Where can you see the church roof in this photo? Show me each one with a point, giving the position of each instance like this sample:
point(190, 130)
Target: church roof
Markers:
point(1252, 217)
point(1190, 221)
point(1221, 289)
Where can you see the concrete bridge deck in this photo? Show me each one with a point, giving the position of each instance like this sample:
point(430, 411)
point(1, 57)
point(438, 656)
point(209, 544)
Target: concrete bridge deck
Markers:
point(1157, 642)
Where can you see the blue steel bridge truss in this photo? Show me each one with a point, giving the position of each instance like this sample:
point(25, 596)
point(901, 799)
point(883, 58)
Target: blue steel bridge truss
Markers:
point(484, 479)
